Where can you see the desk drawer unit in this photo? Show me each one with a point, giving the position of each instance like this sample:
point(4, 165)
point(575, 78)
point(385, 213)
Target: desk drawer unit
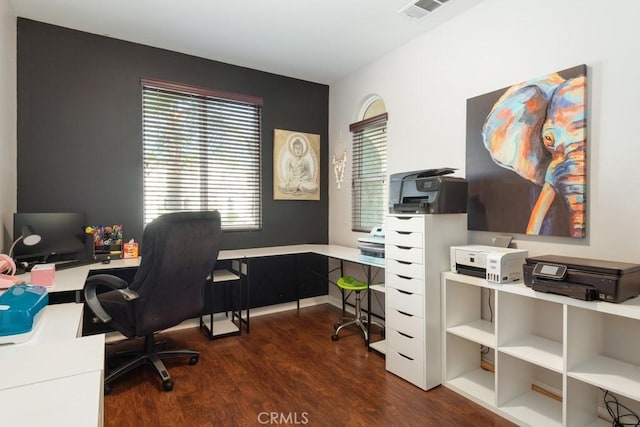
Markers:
point(417, 251)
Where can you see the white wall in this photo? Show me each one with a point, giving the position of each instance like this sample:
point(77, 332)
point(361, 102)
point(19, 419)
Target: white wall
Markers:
point(7, 122)
point(425, 85)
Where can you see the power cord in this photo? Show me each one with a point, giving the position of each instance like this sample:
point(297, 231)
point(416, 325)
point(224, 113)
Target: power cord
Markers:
point(629, 418)
point(484, 349)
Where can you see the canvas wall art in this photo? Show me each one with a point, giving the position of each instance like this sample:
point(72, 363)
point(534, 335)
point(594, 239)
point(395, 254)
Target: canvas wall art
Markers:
point(296, 165)
point(526, 156)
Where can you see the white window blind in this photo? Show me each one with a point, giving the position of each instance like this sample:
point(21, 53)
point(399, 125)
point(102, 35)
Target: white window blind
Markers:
point(369, 178)
point(201, 151)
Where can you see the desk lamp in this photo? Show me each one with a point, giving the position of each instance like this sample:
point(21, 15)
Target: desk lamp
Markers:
point(28, 237)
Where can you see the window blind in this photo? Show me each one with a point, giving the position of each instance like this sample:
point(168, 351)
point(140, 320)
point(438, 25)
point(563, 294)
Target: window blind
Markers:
point(201, 152)
point(369, 178)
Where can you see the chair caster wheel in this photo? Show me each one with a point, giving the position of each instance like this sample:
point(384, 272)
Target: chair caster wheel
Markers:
point(336, 325)
point(334, 337)
point(194, 360)
point(107, 389)
point(167, 385)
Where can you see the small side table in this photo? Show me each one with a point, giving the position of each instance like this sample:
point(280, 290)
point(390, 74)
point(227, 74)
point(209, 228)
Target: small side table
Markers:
point(230, 321)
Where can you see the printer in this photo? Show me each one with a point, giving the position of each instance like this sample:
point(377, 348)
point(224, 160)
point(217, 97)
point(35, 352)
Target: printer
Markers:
point(21, 308)
point(427, 192)
point(582, 278)
point(372, 246)
point(493, 263)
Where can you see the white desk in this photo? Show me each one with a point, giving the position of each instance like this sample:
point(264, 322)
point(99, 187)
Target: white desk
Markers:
point(57, 379)
point(341, 253)
point(72, 279)
point(53, 378)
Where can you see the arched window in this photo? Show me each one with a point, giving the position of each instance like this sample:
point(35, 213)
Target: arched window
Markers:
point(369, 178)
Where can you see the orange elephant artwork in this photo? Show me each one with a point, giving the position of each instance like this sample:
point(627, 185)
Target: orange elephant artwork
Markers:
point(526, 156)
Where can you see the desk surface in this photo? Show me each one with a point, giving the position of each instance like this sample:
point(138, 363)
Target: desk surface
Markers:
point(54, 378)
point(70, 401)
point(72, 279)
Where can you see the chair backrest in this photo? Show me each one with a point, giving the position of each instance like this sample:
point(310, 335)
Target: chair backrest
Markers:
point(179, 251)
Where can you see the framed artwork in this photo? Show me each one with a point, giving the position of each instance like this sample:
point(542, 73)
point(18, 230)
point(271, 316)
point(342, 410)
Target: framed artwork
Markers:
point(526, 156)
point(296, 165)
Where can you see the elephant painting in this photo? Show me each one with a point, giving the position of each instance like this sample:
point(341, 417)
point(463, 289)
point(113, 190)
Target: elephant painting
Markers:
point(535, 132)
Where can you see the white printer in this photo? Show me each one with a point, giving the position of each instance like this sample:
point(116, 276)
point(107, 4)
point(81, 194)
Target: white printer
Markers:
point(372, 246)
point(493, 263)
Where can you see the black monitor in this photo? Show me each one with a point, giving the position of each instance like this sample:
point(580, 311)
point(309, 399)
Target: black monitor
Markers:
point(62, 236)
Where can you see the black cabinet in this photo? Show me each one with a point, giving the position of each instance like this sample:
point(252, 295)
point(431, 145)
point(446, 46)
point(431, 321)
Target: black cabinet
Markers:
point(286, 278)
point(271, 280)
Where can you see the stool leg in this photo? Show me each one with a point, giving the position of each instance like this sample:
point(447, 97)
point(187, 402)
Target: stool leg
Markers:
point(357, 320)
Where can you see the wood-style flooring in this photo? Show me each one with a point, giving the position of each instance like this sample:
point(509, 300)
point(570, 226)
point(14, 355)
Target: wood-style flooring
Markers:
point(287, 371)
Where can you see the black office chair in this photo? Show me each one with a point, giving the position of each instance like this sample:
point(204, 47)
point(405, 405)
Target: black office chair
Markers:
point(179, 251)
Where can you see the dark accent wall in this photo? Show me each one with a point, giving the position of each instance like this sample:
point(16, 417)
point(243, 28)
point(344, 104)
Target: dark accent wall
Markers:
point(80, 129)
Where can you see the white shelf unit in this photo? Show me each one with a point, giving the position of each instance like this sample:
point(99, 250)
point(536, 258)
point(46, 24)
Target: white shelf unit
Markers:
point(416, 251)
point(572, 349)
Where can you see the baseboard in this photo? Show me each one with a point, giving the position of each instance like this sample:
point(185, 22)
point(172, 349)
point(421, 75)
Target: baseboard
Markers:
point(115, 336)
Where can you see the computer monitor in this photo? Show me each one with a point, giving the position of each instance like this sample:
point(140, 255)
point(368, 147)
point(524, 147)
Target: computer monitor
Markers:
point(63, 236)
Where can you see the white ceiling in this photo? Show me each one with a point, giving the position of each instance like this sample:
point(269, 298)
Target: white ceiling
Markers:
point(315, 40)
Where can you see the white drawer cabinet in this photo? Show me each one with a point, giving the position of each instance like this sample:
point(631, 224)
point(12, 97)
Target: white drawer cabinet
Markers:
point(416, 252)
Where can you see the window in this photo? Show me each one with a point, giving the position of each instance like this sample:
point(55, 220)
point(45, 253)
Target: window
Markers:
point(369, 178)
point(201, 151)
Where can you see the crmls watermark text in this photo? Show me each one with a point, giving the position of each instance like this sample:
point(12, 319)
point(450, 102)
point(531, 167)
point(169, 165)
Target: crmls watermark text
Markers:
point(287, 418)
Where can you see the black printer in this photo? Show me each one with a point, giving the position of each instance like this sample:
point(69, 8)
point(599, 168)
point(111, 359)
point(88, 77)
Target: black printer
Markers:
point(429, 191)
point(582, 278)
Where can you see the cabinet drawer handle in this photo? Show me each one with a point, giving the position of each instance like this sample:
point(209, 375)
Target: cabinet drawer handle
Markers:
point(406, 357)
point(404, 248)
point(403, 232)
point(404, 292)
point(403, 262)
point(403, 277)
point(404, 314)
point(405, 335)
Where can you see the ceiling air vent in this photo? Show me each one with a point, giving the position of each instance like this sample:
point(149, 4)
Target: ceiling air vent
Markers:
point(421, 8)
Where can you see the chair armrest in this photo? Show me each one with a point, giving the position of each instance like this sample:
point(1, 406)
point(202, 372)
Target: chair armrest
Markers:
point(112, 282)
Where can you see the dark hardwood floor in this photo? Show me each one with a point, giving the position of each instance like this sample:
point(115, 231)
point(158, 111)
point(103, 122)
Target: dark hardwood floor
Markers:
point(287, 371)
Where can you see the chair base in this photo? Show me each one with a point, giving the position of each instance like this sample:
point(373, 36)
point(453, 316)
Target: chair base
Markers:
point(152, 356)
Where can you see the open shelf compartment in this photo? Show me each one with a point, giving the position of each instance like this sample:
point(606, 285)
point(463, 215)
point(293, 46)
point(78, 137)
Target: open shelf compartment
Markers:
point(517, 398)
point(463, 371)
point(531, 330)
point(604, 351)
